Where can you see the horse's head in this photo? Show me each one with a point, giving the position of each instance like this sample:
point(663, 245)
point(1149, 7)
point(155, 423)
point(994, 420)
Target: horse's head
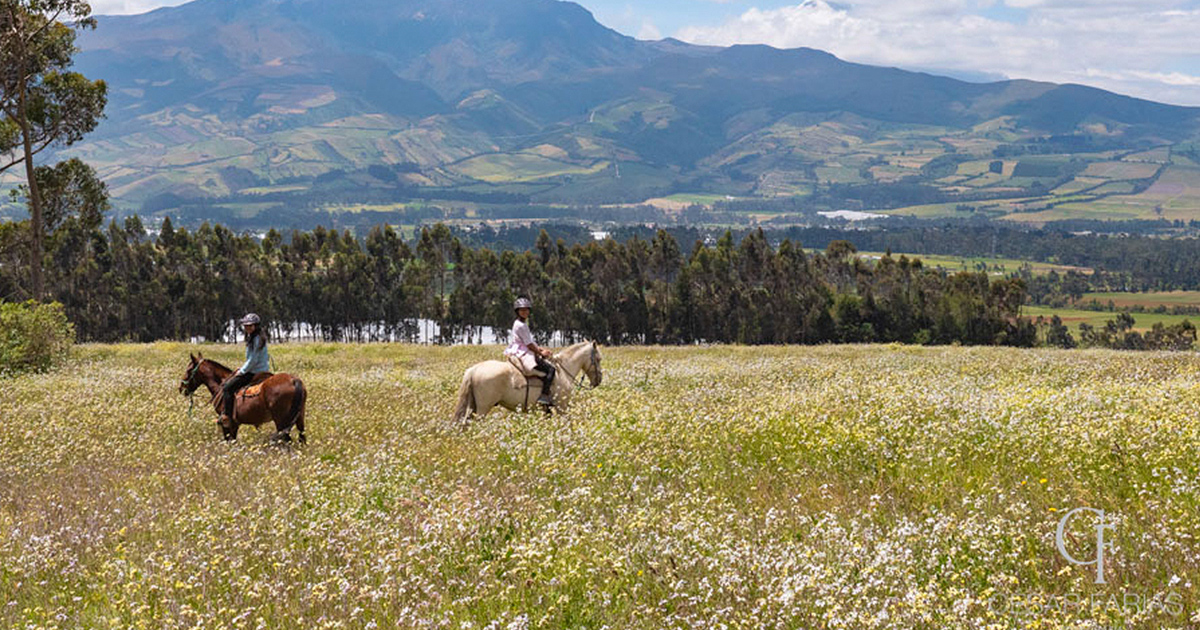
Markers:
point(191, 378)
point(592, 366)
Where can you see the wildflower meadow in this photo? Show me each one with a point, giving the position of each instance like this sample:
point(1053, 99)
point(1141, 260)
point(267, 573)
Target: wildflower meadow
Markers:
point(719, 487)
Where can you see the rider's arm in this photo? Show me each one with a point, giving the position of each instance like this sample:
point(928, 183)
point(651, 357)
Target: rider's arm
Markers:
point(246, 365)
point(524, 335)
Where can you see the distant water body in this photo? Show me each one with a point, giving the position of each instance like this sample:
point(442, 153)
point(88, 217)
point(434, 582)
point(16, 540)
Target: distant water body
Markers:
point(419, 331)
point(852, 215)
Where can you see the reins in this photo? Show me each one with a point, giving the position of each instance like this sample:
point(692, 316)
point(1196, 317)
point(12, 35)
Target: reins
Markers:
point(575, 381)
point(192, 395)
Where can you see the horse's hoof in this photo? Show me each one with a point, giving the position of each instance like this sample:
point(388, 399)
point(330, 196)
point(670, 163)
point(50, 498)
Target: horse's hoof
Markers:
point(281, 437)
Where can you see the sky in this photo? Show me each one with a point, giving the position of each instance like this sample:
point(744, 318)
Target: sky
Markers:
point(1144, 48)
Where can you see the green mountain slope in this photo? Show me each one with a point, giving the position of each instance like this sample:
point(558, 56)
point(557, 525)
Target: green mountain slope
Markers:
point(222, 97)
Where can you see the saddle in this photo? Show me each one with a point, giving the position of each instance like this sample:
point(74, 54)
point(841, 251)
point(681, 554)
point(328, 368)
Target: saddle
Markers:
point(516, 363)
point(255, 386)
point(526, 375)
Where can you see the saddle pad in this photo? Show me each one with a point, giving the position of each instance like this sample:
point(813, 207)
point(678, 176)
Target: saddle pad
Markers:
point(255, 386)
point(251, 391)
point(516, 363)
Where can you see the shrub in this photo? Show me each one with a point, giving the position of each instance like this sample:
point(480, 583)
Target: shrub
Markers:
point(33, 337)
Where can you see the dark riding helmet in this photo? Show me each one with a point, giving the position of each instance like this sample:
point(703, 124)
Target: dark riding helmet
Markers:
point(522, 303)
point(250, 318)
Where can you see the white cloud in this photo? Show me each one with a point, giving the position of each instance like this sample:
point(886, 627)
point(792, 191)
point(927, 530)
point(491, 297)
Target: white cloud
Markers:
point(1139, 48)
point(649, 31)
point(127, 7)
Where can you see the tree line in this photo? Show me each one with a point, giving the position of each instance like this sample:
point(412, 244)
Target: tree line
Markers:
point(1125, 262)
point(119, 282)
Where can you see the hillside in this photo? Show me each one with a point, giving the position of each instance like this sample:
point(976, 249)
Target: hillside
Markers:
point(225, 100)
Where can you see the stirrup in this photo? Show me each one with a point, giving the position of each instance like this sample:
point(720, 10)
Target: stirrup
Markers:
point(545, 400)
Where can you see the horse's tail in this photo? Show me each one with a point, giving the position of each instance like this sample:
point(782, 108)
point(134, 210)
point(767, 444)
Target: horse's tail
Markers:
point(466, 397)
point(296, 413)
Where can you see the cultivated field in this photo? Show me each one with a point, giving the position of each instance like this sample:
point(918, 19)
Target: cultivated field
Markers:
point(994, 266)
point(1072, 317)
point(830, 487)
point(1148, 299)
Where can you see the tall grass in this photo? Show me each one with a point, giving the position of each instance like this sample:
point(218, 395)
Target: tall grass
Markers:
point(829, 487)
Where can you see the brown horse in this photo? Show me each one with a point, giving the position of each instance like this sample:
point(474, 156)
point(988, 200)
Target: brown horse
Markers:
point(270, 397)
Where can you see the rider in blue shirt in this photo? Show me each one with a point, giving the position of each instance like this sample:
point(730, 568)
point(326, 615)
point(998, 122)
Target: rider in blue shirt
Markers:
point(257, 360)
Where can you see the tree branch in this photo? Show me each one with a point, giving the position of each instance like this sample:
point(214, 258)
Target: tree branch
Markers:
point(20, 159)
point(12, 164)
point(34, 35)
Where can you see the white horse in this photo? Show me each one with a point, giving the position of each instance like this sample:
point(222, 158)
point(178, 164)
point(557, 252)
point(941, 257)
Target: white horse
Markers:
point(491, 383)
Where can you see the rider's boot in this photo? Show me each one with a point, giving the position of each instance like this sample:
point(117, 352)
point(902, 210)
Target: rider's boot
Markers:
point(547, 385)
point(226, 418)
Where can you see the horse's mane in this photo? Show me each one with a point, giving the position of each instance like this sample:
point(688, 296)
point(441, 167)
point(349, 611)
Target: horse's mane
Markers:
point(218, 365)
point(572, 347)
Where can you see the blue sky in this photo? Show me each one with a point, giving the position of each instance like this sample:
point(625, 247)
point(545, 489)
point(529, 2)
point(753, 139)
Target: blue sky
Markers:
point(1144, 48)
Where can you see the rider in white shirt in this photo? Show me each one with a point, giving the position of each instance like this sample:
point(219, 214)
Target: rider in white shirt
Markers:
point(521, 345)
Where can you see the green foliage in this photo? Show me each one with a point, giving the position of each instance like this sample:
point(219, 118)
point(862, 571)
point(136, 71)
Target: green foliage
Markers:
point(1036, 168)
point(52, 105)
point(119, 284)
point(1118, 334)
point(1058, 335)
point(70, 189)
point(33, 337)
point(49, 106)
point(943, 165)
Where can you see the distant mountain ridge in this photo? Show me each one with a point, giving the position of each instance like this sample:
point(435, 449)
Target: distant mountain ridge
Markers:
point(217, 97)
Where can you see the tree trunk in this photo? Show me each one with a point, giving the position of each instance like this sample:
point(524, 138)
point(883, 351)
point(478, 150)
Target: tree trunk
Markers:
point(35, 201)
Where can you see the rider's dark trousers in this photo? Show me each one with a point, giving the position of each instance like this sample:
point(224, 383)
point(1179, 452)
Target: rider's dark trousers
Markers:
point(545, 366)
point(230, 387)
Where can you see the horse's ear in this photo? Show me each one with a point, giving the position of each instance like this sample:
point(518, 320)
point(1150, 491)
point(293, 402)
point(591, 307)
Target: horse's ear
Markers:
point(200, 356)
point(192, 357)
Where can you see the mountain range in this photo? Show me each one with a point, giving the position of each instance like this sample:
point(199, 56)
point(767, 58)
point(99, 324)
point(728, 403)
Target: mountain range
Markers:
point(534, 98)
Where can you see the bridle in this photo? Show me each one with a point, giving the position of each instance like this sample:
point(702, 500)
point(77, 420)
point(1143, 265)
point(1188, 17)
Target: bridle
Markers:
point(191, 373)
point(195, 369)
point(592, 362)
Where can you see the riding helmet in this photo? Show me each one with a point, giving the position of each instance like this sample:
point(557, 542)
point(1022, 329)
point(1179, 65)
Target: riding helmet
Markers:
point(250, 318)
point(522, 303)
